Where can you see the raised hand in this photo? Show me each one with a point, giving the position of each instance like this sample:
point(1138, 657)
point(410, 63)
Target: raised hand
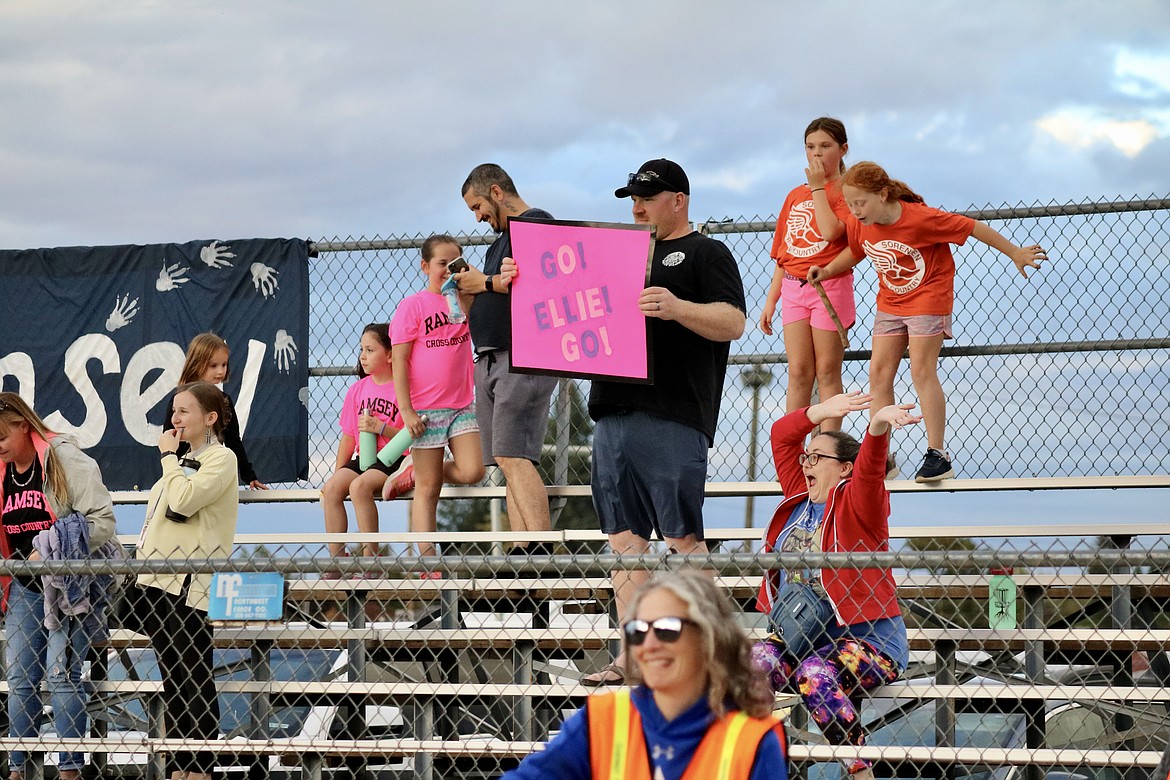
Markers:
point(895, 416)
point(838, 406)
point(216, 255)
point(170, 277)
point(124, 311)
point(264, 279)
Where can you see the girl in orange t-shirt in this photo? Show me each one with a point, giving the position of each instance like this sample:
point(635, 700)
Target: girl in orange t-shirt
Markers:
point(810, 231)
point(909, 244)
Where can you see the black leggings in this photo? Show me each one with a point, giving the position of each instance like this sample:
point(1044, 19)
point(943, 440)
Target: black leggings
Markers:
point(182, 642)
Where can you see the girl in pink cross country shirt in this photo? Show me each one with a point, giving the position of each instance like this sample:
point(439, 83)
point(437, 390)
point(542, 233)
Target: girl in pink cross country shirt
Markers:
point(433, 375)
point(369, 406)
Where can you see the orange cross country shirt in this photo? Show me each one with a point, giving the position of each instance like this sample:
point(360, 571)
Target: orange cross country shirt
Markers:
point(913, 258)
point(797, 244)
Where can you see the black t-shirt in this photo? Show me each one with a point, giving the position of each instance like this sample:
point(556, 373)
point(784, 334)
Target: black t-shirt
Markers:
point(688, 369)
point(26, 512)
point(490, 318)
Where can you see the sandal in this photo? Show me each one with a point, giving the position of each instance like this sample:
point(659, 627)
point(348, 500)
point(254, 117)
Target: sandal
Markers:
point(602, 677)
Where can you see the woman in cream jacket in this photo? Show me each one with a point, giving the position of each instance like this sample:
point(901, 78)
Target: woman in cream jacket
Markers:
point(191, 514)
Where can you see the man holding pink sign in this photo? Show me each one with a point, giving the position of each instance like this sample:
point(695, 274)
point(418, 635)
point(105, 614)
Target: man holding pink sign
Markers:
point(651, 440)
point(512, 409)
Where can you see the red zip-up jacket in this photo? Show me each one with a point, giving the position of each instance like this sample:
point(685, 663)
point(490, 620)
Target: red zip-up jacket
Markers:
point(856, 519)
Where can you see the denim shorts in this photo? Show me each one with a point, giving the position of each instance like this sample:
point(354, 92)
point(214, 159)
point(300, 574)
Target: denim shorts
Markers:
point(649, 475)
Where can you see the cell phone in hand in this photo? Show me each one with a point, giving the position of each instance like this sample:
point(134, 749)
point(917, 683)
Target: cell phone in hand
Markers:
point(458, 265)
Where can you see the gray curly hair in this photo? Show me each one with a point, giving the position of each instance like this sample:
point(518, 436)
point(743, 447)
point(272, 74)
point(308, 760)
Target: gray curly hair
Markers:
point(732, 679)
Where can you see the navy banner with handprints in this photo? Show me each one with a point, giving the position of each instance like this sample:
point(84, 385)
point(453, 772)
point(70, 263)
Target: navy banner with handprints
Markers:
point(95, 338)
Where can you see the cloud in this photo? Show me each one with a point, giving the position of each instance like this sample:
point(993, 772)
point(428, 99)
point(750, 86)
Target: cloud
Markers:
point(1083, 127)
point(152, 121)
point(1142, 74)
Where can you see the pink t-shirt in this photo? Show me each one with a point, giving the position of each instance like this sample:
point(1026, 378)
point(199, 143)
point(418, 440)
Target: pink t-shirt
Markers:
point(441, 371)
point(379, 400)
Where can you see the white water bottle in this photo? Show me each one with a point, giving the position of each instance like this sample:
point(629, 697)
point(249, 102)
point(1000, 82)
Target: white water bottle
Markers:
point(451, 291)
point(398, 445)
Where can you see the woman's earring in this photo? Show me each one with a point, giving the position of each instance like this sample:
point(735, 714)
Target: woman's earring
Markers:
point(207, 435)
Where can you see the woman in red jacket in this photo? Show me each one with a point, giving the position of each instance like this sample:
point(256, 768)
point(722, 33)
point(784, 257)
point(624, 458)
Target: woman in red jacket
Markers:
point(835, 501)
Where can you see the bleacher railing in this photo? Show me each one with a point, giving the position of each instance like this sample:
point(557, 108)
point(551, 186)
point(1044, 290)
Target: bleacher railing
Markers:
point(373, 668)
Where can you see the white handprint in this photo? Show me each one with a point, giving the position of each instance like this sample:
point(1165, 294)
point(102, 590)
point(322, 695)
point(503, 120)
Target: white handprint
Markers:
point(124, 311)
point(216, 255)
point(284, 351)
point(170, 277)
point(264, 279)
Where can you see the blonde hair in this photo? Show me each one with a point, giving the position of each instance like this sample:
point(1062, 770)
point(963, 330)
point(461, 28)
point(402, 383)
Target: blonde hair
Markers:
point(13, 411)
point(726, 648)
point(199, 354)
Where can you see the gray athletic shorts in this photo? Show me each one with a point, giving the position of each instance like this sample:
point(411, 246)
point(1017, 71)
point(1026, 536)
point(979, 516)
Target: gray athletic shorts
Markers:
point(512, 409)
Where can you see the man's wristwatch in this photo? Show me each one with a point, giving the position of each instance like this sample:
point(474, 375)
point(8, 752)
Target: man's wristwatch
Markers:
point(487, 283)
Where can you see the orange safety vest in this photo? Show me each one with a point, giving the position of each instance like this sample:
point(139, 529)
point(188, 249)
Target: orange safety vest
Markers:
point(617, 747)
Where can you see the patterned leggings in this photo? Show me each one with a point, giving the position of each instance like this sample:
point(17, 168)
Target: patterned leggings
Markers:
point(829, 682)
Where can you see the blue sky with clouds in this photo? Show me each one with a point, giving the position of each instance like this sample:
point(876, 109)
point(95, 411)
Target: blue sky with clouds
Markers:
point(146, 121)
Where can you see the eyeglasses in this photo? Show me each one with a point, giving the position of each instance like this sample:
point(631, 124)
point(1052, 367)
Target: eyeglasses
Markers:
point(666, 629)
point(812, 458)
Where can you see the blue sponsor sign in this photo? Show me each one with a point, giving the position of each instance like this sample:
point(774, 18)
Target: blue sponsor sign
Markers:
point(246, 596)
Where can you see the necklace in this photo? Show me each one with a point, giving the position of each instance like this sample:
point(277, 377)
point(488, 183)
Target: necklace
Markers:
point(32, 471)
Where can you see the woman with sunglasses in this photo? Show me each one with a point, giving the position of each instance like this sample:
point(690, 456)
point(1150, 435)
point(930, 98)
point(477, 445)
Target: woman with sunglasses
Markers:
point(835, 501)
point(701, 705)
point(47, 486)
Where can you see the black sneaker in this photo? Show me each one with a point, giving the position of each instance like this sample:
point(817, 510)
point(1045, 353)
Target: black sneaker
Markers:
point(935, 466)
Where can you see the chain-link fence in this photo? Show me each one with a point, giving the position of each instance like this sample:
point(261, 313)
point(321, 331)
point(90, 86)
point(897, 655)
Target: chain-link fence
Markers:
point(1026, 658)
point(1060, 374)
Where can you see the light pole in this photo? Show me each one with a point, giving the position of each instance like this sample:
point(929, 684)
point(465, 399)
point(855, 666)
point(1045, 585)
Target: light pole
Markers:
point(754, 378)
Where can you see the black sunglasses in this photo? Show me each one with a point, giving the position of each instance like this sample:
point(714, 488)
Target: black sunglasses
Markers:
point(666, 629)
point(645, 177)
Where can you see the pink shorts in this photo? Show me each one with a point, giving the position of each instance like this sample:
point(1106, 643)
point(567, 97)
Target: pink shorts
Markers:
point(885, 324)
point(800, 302)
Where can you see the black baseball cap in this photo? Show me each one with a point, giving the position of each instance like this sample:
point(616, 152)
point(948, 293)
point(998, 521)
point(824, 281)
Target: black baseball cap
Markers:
point(656, 176)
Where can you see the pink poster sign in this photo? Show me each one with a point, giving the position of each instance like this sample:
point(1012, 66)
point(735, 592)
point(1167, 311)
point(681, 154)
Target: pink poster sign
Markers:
point(575, 299)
